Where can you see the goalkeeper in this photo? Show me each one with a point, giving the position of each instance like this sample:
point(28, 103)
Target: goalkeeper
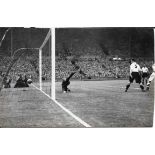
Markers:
point(66, 81)
point(151, 78)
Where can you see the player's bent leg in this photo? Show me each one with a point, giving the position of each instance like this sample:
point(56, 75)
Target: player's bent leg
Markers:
point(68, 90)
point(152, 76)
point(143, 79)
point(127, 87)
point(131, 79)
point(146, 80)
point(141, 86)
point(141, 83)
point(63, 89)
point(148, 87)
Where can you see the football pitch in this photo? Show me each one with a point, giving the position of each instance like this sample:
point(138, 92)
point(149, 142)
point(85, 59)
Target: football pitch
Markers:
point(105, 104)
point(96, 103)
point(30, 108)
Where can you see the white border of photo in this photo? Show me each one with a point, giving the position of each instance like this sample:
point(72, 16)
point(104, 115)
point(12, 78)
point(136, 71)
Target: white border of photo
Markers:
point(80, 13)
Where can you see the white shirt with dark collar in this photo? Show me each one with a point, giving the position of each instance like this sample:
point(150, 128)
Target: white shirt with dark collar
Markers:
point(134, 67)
point(145, 70)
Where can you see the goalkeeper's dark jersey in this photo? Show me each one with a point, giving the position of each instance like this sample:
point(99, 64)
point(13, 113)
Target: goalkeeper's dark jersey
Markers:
point(66, 82)
point(74, 68)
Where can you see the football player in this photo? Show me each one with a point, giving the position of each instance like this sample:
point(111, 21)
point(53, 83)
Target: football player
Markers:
point(135, 74)
point(66, 83)
point(152, 76)
point(76, 68)
point(145, 74)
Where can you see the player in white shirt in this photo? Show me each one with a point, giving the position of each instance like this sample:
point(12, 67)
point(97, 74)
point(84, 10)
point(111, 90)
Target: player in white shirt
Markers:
point(135, 74)
point(145, 74)
point(152, 76)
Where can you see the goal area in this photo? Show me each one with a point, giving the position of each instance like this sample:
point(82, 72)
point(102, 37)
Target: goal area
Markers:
point(46, 78)
point(29, 55)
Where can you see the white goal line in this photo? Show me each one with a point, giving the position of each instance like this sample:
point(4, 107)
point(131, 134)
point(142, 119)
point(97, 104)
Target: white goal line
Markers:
point(65, 109)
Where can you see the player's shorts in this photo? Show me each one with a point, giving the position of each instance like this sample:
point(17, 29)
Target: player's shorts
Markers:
point(135, 76)
point(144, 75)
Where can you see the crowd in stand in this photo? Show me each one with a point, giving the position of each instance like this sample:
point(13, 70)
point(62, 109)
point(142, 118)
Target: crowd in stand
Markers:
point(95, 67)
point(25, 67)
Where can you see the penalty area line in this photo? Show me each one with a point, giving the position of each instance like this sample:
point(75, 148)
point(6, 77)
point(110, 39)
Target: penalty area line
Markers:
point(65, 109)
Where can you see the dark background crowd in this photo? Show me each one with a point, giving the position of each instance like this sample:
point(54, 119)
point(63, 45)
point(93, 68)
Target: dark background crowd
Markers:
point(94, 50)
point(95, 67)
point(103, 52)
point(98, 68)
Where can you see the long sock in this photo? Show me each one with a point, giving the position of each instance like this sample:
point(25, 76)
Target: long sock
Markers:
point(148, 85)
point(141, 86)
point(127, 87)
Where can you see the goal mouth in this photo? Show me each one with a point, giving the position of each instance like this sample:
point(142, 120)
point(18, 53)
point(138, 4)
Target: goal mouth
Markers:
point(45, 68)
point(27, 60)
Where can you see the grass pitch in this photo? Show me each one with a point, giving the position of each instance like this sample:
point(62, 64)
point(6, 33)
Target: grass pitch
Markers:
point(105, 104)
point(30, 108)
point(98, 103)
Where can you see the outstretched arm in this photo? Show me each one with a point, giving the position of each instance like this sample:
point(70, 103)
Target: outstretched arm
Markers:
point(78, 69)
point(70, 76)
point(82, 73)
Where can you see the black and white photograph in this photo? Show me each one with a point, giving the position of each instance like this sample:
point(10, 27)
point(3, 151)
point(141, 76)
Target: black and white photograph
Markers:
point(77, 77)
point(96, 77)
point(105, 75)
point(25, 77)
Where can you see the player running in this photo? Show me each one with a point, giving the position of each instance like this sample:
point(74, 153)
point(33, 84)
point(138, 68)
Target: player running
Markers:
point(135, 74)
point(152, 76)
point(145, 74)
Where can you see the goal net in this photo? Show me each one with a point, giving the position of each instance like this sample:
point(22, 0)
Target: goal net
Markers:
point(32, 48)
point(27, 53)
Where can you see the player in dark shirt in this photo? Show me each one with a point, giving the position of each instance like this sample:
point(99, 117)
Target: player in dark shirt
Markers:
point(25, 81)
point(7, 82)
point(20, 83)
point(66, 83)
point(77, 69)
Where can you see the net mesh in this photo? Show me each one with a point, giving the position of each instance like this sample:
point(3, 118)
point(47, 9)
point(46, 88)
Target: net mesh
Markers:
point(28, 53)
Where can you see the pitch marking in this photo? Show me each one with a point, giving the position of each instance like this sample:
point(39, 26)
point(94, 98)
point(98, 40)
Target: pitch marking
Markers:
point(65, 109)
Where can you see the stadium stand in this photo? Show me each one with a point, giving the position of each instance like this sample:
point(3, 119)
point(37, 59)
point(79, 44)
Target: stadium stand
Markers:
point(93, 66)
point(96, 67)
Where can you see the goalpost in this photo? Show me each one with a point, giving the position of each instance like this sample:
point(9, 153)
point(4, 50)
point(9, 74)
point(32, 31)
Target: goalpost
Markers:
point(47, 64)
point(39, 62)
